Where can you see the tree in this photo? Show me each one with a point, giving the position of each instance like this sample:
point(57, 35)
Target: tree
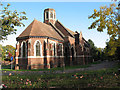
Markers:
point(107, 19)
point(96, 53)
point(109, 51)
point(9, 20)
point(93, 49)
point(8, 49)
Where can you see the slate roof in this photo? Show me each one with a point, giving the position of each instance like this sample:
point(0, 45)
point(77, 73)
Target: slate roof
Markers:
point(37, 28)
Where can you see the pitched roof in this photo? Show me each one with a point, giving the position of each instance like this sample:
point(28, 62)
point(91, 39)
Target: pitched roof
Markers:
point(60, 33)
point(71, 33)
point(37, 28)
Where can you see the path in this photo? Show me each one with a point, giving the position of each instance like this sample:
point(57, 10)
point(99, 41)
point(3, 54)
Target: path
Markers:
point(103, 65)
point(92, 67)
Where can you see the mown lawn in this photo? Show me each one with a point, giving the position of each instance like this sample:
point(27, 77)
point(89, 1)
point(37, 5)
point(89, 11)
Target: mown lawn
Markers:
point(105, 78)
point(8, 67)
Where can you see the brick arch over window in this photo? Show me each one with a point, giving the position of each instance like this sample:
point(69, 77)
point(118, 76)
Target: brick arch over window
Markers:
point(37, 48)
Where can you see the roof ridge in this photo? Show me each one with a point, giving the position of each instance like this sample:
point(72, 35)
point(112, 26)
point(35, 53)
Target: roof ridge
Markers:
point(26, 28)
point(58, 31)
point(32, 25)
point(85, 40)
point(65, 28)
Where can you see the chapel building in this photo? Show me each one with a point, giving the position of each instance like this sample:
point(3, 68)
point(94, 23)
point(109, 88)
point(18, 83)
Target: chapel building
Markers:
point(50, 44)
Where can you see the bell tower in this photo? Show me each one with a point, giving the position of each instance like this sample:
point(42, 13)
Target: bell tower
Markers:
point(49, 16)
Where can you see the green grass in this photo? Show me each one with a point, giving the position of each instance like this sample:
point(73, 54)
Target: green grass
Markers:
point(7, 68)
point(107, 78)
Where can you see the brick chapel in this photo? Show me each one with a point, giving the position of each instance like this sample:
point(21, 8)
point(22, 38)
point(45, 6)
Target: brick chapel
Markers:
point(50, 44)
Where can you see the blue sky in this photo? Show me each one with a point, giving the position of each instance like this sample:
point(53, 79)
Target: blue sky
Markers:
point(73, 15)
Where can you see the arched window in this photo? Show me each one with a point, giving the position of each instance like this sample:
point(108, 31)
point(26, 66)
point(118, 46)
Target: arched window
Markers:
point(59, 47)
point(54, 50)
point(37, 48)
point(23, 49)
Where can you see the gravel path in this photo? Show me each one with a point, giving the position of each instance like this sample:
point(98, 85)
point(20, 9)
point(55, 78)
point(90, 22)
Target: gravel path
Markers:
point(102, 65)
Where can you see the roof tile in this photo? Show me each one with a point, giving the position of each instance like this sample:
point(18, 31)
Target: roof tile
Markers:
point(37, 28)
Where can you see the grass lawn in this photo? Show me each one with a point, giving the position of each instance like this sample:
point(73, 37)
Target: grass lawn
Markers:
point(105, 78)
point(8, 67)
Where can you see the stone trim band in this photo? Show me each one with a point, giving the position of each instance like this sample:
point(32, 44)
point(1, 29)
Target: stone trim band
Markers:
point(51, 56)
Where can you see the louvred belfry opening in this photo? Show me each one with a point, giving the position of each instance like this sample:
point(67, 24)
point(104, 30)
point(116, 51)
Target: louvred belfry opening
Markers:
point(49, 16)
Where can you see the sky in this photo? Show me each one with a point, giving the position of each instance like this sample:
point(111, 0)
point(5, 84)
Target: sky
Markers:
point(73, 15)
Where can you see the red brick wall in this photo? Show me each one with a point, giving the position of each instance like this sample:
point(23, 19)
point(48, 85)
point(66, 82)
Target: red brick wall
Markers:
point(39, 62)
point(36, 63)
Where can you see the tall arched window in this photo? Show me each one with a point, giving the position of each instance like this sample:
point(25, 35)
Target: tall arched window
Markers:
point(23, 49)
point(54, 49)
point(37, 48)
point(59, 47)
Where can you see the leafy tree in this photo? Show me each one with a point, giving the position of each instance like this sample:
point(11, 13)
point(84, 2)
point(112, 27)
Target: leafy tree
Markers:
point(109, 51)
point(96, 53)
point(107, 19)
point(100, 53)
point(8, 49)
point(9, 20)
point(93, 49)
